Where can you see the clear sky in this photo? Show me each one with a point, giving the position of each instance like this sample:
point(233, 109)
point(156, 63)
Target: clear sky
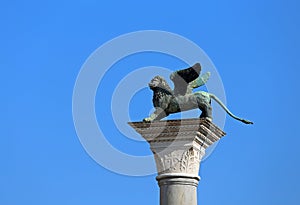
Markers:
point(254, 45)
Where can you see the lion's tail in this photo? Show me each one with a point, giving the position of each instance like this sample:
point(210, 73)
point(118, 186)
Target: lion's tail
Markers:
point(227, 110)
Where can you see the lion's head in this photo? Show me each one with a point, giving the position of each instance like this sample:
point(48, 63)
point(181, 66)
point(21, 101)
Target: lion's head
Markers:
point(159, 82)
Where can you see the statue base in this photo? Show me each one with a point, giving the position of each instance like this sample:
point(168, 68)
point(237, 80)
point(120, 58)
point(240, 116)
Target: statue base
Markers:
point(178, 147)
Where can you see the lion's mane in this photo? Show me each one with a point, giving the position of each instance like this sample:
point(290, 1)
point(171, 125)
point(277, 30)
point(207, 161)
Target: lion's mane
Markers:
point(161, 91)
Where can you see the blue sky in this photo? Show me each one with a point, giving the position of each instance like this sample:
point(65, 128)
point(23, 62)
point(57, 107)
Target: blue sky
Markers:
point(254, 46)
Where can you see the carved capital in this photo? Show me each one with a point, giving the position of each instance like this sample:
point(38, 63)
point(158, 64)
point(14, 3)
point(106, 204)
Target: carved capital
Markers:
point(179, 145)
point(185, 160)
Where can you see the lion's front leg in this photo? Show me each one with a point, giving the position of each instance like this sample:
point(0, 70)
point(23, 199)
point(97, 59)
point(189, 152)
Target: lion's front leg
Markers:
point(158, 114)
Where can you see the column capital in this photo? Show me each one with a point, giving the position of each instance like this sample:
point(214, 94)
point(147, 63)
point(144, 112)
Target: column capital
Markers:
point(178, 145)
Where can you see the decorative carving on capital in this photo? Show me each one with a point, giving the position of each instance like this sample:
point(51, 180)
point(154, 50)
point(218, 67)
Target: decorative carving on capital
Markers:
point(185, 161)
point(190, 161)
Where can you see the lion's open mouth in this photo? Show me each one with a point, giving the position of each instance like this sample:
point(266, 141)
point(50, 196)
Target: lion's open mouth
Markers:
point(152, 84)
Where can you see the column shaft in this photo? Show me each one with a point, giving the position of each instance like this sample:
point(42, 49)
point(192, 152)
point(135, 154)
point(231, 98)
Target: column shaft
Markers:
point(178, 190)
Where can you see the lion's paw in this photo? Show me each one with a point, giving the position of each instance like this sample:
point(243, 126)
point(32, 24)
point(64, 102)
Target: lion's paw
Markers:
point(147, 119)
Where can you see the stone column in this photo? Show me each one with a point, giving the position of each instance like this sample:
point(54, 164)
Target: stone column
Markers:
point(178, 147)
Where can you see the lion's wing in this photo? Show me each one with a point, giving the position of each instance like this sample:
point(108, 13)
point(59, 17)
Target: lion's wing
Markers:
point(182, 78)
point(201, 80)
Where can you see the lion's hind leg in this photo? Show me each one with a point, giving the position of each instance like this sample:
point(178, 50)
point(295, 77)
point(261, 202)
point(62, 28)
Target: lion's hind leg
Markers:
point(206, 111)
point(205, 107)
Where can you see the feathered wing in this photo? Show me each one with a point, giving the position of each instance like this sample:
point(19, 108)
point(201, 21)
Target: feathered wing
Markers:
point(201, 80)
point(182, 78)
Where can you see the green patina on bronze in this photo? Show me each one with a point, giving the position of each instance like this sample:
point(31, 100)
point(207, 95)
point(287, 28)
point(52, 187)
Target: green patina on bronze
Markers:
point(167, 101)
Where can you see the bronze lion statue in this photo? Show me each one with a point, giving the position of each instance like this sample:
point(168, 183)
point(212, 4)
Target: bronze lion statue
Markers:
point(167, 101)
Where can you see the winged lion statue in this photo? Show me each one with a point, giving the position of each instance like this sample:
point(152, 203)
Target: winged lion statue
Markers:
point(167, 101)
